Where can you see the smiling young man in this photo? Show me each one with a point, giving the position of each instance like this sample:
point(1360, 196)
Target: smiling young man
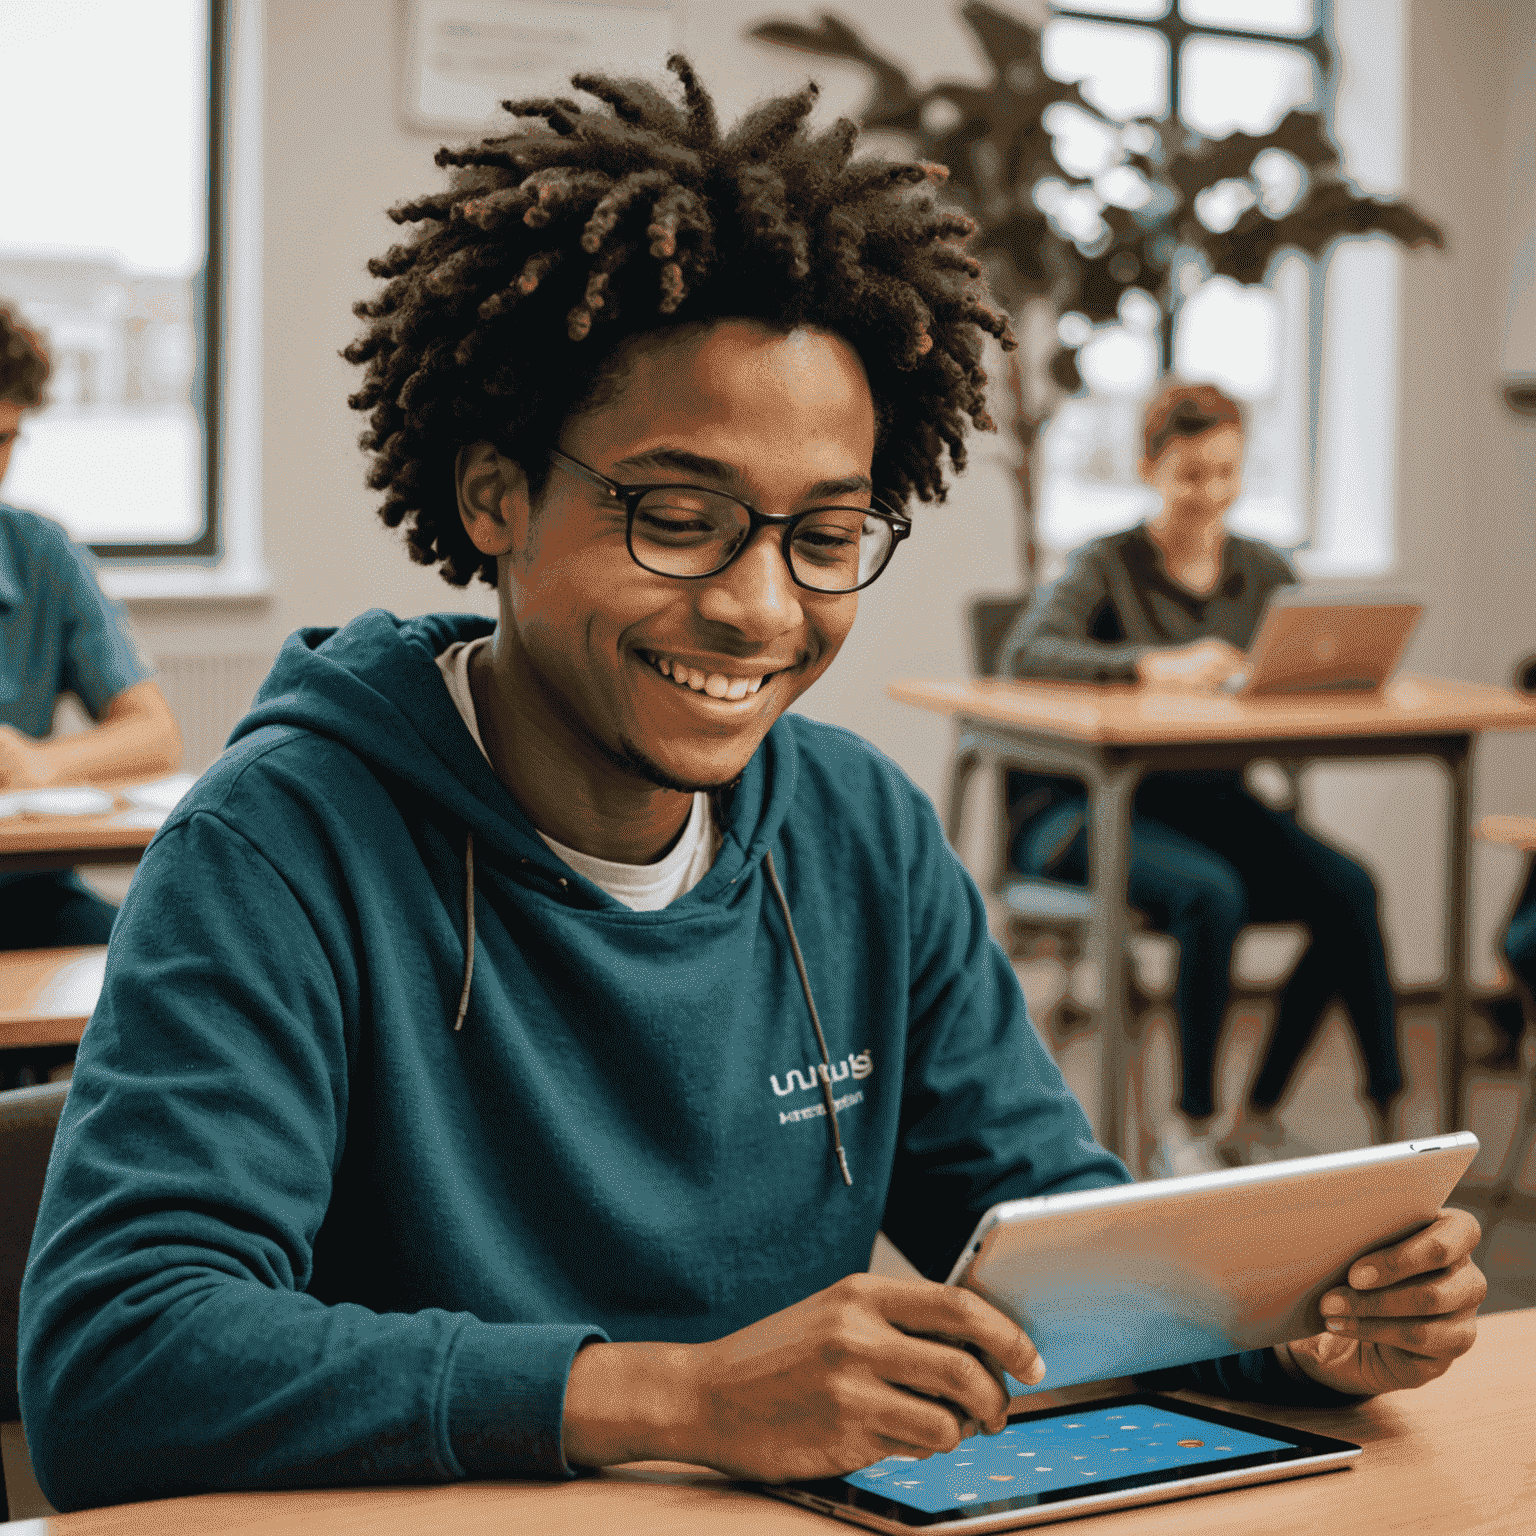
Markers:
point(511, 1049)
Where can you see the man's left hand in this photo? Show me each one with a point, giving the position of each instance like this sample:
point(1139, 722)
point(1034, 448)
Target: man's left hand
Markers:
point(23, 762)
point(1406, 1313)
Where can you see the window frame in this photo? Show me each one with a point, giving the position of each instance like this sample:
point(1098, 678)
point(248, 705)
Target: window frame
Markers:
point(1176, 30)
point(207, 321)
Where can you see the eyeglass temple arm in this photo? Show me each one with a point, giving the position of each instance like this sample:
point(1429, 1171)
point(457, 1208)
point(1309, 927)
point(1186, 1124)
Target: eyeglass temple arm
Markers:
point(591, 476)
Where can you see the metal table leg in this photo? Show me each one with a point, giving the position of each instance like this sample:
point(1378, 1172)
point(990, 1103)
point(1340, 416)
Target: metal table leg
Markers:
point(1458, 829)
point(962, 764)
point(1111, 789)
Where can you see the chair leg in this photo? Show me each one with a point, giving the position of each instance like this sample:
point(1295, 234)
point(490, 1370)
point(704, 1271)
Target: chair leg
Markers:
point(961, 768)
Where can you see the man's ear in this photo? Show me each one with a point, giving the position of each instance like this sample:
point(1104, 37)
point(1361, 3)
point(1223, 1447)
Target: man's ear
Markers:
point(493, 498)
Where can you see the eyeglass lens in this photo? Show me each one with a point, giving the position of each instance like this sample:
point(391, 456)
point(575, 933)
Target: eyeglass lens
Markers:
point(683, 531)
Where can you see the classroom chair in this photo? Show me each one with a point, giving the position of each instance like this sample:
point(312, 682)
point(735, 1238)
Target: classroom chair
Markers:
point(1042, 915)
point(28, 1119)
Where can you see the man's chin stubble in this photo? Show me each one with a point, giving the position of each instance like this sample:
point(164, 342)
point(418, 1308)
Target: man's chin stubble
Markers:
point(633, 761)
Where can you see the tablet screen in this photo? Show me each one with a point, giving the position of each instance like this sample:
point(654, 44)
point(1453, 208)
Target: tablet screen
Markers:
point(1060, 1452)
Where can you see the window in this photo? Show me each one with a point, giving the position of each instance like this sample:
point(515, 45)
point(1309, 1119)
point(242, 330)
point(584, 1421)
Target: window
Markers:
point(111, 248)
point(1220, 66)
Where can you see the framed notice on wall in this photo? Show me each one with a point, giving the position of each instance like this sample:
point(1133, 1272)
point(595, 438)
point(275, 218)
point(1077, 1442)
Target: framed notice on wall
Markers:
point(463, 58)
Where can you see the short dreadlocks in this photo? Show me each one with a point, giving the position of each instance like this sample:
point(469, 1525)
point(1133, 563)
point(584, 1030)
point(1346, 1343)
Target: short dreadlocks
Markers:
point(583, 227)
point(23, 362)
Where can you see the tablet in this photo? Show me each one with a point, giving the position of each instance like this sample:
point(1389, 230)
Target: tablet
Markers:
point(1135, 1277)
point(1060, 1463)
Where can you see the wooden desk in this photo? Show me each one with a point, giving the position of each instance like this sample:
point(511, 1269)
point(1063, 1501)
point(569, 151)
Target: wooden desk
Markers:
point(61, 842)
point(1109, 736)
point(119, 836)
point(1452, 1457)
point(47, 996)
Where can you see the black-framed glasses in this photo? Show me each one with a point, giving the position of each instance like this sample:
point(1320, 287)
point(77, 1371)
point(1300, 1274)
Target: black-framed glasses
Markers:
point(688, 532)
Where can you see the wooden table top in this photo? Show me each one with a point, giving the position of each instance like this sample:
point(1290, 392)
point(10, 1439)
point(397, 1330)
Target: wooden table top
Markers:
point(1454, 1456)
point(1121, 714)
point(1515, 831)
point(116, 836)
point(48, 995)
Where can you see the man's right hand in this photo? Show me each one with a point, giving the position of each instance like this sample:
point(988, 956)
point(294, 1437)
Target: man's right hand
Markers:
point(1198, 666)
point(868, 1368)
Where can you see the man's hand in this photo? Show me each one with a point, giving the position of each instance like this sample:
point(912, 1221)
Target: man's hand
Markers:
point(1199, 666)
point(23, 762)
point(870, 1367)
point(1408, 1311)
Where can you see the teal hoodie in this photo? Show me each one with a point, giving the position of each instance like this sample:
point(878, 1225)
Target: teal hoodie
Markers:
point(299, 1230)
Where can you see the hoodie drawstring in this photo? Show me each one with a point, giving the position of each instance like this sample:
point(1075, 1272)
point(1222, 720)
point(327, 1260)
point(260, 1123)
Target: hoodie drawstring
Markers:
point(821, 1040)
point(469, 927)
point(825, 1074)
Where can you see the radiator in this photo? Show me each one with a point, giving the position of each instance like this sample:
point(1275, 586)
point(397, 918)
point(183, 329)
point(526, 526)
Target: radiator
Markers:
point(208, 695)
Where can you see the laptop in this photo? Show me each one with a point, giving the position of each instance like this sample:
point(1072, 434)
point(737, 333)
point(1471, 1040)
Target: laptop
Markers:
point(1319, 640)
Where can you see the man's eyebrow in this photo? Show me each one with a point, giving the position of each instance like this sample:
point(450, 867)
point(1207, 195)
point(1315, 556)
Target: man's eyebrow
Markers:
point(700, 466)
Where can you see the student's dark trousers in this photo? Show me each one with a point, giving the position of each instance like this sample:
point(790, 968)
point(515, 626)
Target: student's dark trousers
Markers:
point(1208, 858)
point(52, 910)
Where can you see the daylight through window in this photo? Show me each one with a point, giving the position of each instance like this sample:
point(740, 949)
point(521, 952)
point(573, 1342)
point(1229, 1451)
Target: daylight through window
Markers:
point(1220, 66)
point(109, 261)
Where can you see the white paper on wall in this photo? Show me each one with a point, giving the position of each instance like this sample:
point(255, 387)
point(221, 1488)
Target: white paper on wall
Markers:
point(463, 58)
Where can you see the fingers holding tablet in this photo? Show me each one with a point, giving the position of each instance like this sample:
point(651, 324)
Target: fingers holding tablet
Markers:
point(1408, 1311)
point(869, 1368)
point(963, 1318)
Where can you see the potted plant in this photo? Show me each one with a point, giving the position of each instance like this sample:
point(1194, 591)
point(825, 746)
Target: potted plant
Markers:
point(1168, 208)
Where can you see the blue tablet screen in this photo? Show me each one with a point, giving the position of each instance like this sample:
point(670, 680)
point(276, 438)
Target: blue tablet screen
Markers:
point(1062, 1451)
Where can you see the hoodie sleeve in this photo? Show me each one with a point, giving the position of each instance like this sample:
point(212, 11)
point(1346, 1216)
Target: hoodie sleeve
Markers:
point(985, 1113)
point(165, 1323)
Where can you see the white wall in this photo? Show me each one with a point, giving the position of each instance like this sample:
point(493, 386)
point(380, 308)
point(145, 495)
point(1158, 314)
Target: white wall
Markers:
point(1466, 467)
point(336, 156)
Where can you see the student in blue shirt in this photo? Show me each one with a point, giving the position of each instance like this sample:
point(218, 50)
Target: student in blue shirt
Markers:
point(60, 634)
point(511, 1049)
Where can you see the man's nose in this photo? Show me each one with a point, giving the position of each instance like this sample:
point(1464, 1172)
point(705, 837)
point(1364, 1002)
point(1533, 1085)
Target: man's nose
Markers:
point(755, 593)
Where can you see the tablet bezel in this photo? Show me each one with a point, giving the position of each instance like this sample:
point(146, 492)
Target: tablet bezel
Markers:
point(841, 1499)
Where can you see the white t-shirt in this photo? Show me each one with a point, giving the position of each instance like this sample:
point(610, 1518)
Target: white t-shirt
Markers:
point(642, 887)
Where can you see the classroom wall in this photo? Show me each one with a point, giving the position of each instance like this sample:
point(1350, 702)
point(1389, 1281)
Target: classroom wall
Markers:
point(336, 155)
point(1466, 465)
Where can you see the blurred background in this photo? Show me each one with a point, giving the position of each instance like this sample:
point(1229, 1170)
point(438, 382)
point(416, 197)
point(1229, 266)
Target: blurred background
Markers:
point(193, 189)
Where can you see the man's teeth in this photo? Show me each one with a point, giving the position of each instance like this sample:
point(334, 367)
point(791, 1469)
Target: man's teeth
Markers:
point(716, 684)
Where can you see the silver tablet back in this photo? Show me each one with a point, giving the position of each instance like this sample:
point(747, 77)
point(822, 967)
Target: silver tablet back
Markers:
point(1109, 1282)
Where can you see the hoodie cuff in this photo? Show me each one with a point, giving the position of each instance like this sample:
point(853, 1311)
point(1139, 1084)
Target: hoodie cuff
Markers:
point(506, 1397)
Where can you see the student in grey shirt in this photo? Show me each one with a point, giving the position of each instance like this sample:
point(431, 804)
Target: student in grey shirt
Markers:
point(1174, 602)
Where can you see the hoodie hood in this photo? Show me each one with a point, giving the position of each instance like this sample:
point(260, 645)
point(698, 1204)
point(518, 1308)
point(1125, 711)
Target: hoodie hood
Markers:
point(374, 688)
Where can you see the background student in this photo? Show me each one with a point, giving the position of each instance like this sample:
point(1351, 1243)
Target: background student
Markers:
point(1174, 602)
point(60, 634)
